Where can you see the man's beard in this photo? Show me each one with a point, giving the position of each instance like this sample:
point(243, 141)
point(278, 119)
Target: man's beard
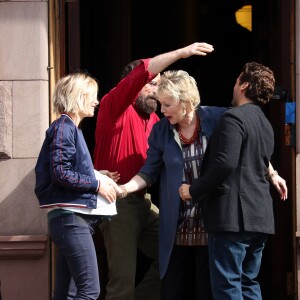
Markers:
point(146, 105)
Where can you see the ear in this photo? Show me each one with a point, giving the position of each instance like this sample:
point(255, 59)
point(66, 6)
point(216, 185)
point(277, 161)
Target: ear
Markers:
point(244, 85)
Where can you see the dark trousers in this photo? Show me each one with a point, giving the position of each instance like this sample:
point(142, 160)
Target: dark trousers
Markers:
point(76, 275)
point(187, 276)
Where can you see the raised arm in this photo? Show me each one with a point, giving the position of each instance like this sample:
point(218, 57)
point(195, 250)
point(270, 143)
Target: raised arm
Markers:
point(162, 61)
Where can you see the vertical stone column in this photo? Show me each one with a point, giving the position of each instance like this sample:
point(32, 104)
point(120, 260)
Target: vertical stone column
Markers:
point(5, 119)
point(24, 117)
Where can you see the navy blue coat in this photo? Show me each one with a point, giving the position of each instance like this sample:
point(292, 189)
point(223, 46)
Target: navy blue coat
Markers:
point(165, 162)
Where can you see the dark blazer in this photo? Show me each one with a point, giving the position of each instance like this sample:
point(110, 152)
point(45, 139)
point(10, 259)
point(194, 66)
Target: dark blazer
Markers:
point(165, 163)
point(233, 183)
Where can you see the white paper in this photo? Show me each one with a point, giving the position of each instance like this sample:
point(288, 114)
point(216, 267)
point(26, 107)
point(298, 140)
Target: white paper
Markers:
point(103, 206)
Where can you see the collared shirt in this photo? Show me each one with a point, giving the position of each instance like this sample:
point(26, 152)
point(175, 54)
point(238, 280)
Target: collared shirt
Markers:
point(121, 138)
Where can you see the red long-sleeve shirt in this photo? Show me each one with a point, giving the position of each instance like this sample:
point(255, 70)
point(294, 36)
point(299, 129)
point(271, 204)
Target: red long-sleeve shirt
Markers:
point(121, 138)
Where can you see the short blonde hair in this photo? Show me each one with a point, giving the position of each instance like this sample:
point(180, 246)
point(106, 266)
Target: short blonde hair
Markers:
point(72, 91)
point(181, 87)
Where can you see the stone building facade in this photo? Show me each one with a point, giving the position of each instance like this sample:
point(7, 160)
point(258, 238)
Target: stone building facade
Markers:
point(24, 117)
point(30, 62)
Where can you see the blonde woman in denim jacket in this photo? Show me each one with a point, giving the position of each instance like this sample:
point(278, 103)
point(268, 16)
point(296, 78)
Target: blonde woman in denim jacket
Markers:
point(67, 186)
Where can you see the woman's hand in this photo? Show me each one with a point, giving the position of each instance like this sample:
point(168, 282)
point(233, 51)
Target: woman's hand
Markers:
point(108, 188)
point(123, 193)
point(107, 191)
point(184, 192)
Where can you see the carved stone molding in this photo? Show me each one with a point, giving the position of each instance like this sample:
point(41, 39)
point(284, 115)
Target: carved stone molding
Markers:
point(23, 246)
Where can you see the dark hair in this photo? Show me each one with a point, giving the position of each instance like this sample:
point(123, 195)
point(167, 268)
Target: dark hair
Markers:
point(261, 82)
point(129, 68)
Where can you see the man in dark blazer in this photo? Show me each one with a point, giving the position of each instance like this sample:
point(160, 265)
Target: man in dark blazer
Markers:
point(234, 188)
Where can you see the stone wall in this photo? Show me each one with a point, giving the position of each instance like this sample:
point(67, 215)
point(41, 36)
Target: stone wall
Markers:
point(24, 117)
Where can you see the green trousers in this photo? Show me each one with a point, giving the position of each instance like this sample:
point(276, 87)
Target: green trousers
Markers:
point(136, 226)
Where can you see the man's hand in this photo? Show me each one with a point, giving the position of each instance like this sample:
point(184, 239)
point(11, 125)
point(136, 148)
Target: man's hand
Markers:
point(115, 176)
point(196, 49)
point(280, 185)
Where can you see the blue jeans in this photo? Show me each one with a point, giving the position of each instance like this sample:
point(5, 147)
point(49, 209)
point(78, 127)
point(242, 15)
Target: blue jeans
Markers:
point(76, 263)
point(234, 261)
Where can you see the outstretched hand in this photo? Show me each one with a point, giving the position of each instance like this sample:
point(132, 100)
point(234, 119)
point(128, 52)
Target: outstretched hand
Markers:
point(123, 193)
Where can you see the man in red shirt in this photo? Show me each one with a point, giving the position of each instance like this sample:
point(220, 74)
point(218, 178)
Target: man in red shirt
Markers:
point(125, 119)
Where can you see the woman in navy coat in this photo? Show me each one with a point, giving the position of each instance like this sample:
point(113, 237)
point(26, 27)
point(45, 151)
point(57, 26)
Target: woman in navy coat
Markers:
point(176, 147)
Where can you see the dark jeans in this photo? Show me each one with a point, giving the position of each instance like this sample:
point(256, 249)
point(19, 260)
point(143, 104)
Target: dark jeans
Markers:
point(187, 276)
point(76, 275)
point(235, 259)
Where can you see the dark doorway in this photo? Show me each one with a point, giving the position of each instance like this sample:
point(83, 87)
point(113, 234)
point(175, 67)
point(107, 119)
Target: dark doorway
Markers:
point(106, 47)
point(103, 36)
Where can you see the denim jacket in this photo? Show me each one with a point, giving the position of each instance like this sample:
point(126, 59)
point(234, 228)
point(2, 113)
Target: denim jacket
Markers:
point(64, 170)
